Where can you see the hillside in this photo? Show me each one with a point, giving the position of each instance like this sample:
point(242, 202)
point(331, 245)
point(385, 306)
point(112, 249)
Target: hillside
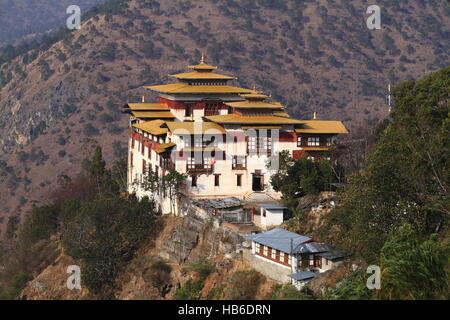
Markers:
point(26, 19)
point(309, 55)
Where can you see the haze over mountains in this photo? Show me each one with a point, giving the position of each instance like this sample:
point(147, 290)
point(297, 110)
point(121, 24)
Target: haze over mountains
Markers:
point(310, 55)
point(26, 19)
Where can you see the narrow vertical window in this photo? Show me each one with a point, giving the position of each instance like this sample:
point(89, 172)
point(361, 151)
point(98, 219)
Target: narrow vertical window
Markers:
point(194, 181)
point(217, 180)
point(239, 180)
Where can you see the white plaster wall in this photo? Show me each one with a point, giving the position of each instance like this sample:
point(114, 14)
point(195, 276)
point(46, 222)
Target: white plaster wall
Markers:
point(272, 218)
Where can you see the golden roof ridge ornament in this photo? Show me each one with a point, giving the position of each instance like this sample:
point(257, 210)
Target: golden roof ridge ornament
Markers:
point(202, 66)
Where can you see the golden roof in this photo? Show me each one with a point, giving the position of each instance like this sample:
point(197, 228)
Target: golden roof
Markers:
point(255, 96)
point(146, 106)
point(202, 66)
point(181, 128)
point(198, 149)
point(163, 147)
point(152, 127)
point(186, 88)
point(238, 119)
point(261, 127)
point(153, 114)
point(255, 105)
point(201, 76)
point(321, 126)
point(281, 114)
point(315, 148)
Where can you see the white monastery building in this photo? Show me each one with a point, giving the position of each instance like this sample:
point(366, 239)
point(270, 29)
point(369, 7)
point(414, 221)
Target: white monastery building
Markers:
point(221, 136)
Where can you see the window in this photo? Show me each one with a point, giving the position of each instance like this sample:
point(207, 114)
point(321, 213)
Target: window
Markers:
point(194, 181)
point(299, 141)
point(260, 143)
point(326, 262)
point(265, 250)
point(265, 145)
point(217, 180)
point(264, 212)
point(187, 141)
point(313, 141)
point(188, 110)
point(239, 162)
point(191, 162)
point(329, 141)
point(212, 109)
point(210, 141)
point(274, 254)
point(239, 180)
point(282, 256)
point(198, 141)
point(258, 248)
point(252, 144)
point(144, 166)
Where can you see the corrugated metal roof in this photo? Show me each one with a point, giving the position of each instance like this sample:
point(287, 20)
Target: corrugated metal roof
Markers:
point(222, 203)
point(202, 66)
point(235, 118)
point(147, 106)
point(312, 247)
point(333, 254)
point(153, 114)
point(255, 105)
point(279, 239)
point(153, 127)
point(163, 147)
point(271, 206)
point(261, 127)
point(181, 128)
point(186, 88)
point(302, 275)
point(201, 76)
point(321, 126)
point(315, 148)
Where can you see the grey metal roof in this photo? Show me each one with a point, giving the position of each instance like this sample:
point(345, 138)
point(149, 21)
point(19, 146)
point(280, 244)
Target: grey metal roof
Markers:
point(302, 275)
point(221, 203)
point(279, 239)
point(333, 254)
point(269, 206)
point(312, 247)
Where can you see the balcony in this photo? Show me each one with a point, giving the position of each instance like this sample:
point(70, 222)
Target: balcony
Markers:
point(199, 168)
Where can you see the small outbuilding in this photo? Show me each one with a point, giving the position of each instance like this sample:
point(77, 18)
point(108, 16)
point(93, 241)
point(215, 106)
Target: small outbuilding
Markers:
point(271, 214)
point(301, 278)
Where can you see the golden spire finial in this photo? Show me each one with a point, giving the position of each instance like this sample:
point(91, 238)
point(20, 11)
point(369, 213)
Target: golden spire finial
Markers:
point(315, 115)
point(143, 98)
point(202, 60)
